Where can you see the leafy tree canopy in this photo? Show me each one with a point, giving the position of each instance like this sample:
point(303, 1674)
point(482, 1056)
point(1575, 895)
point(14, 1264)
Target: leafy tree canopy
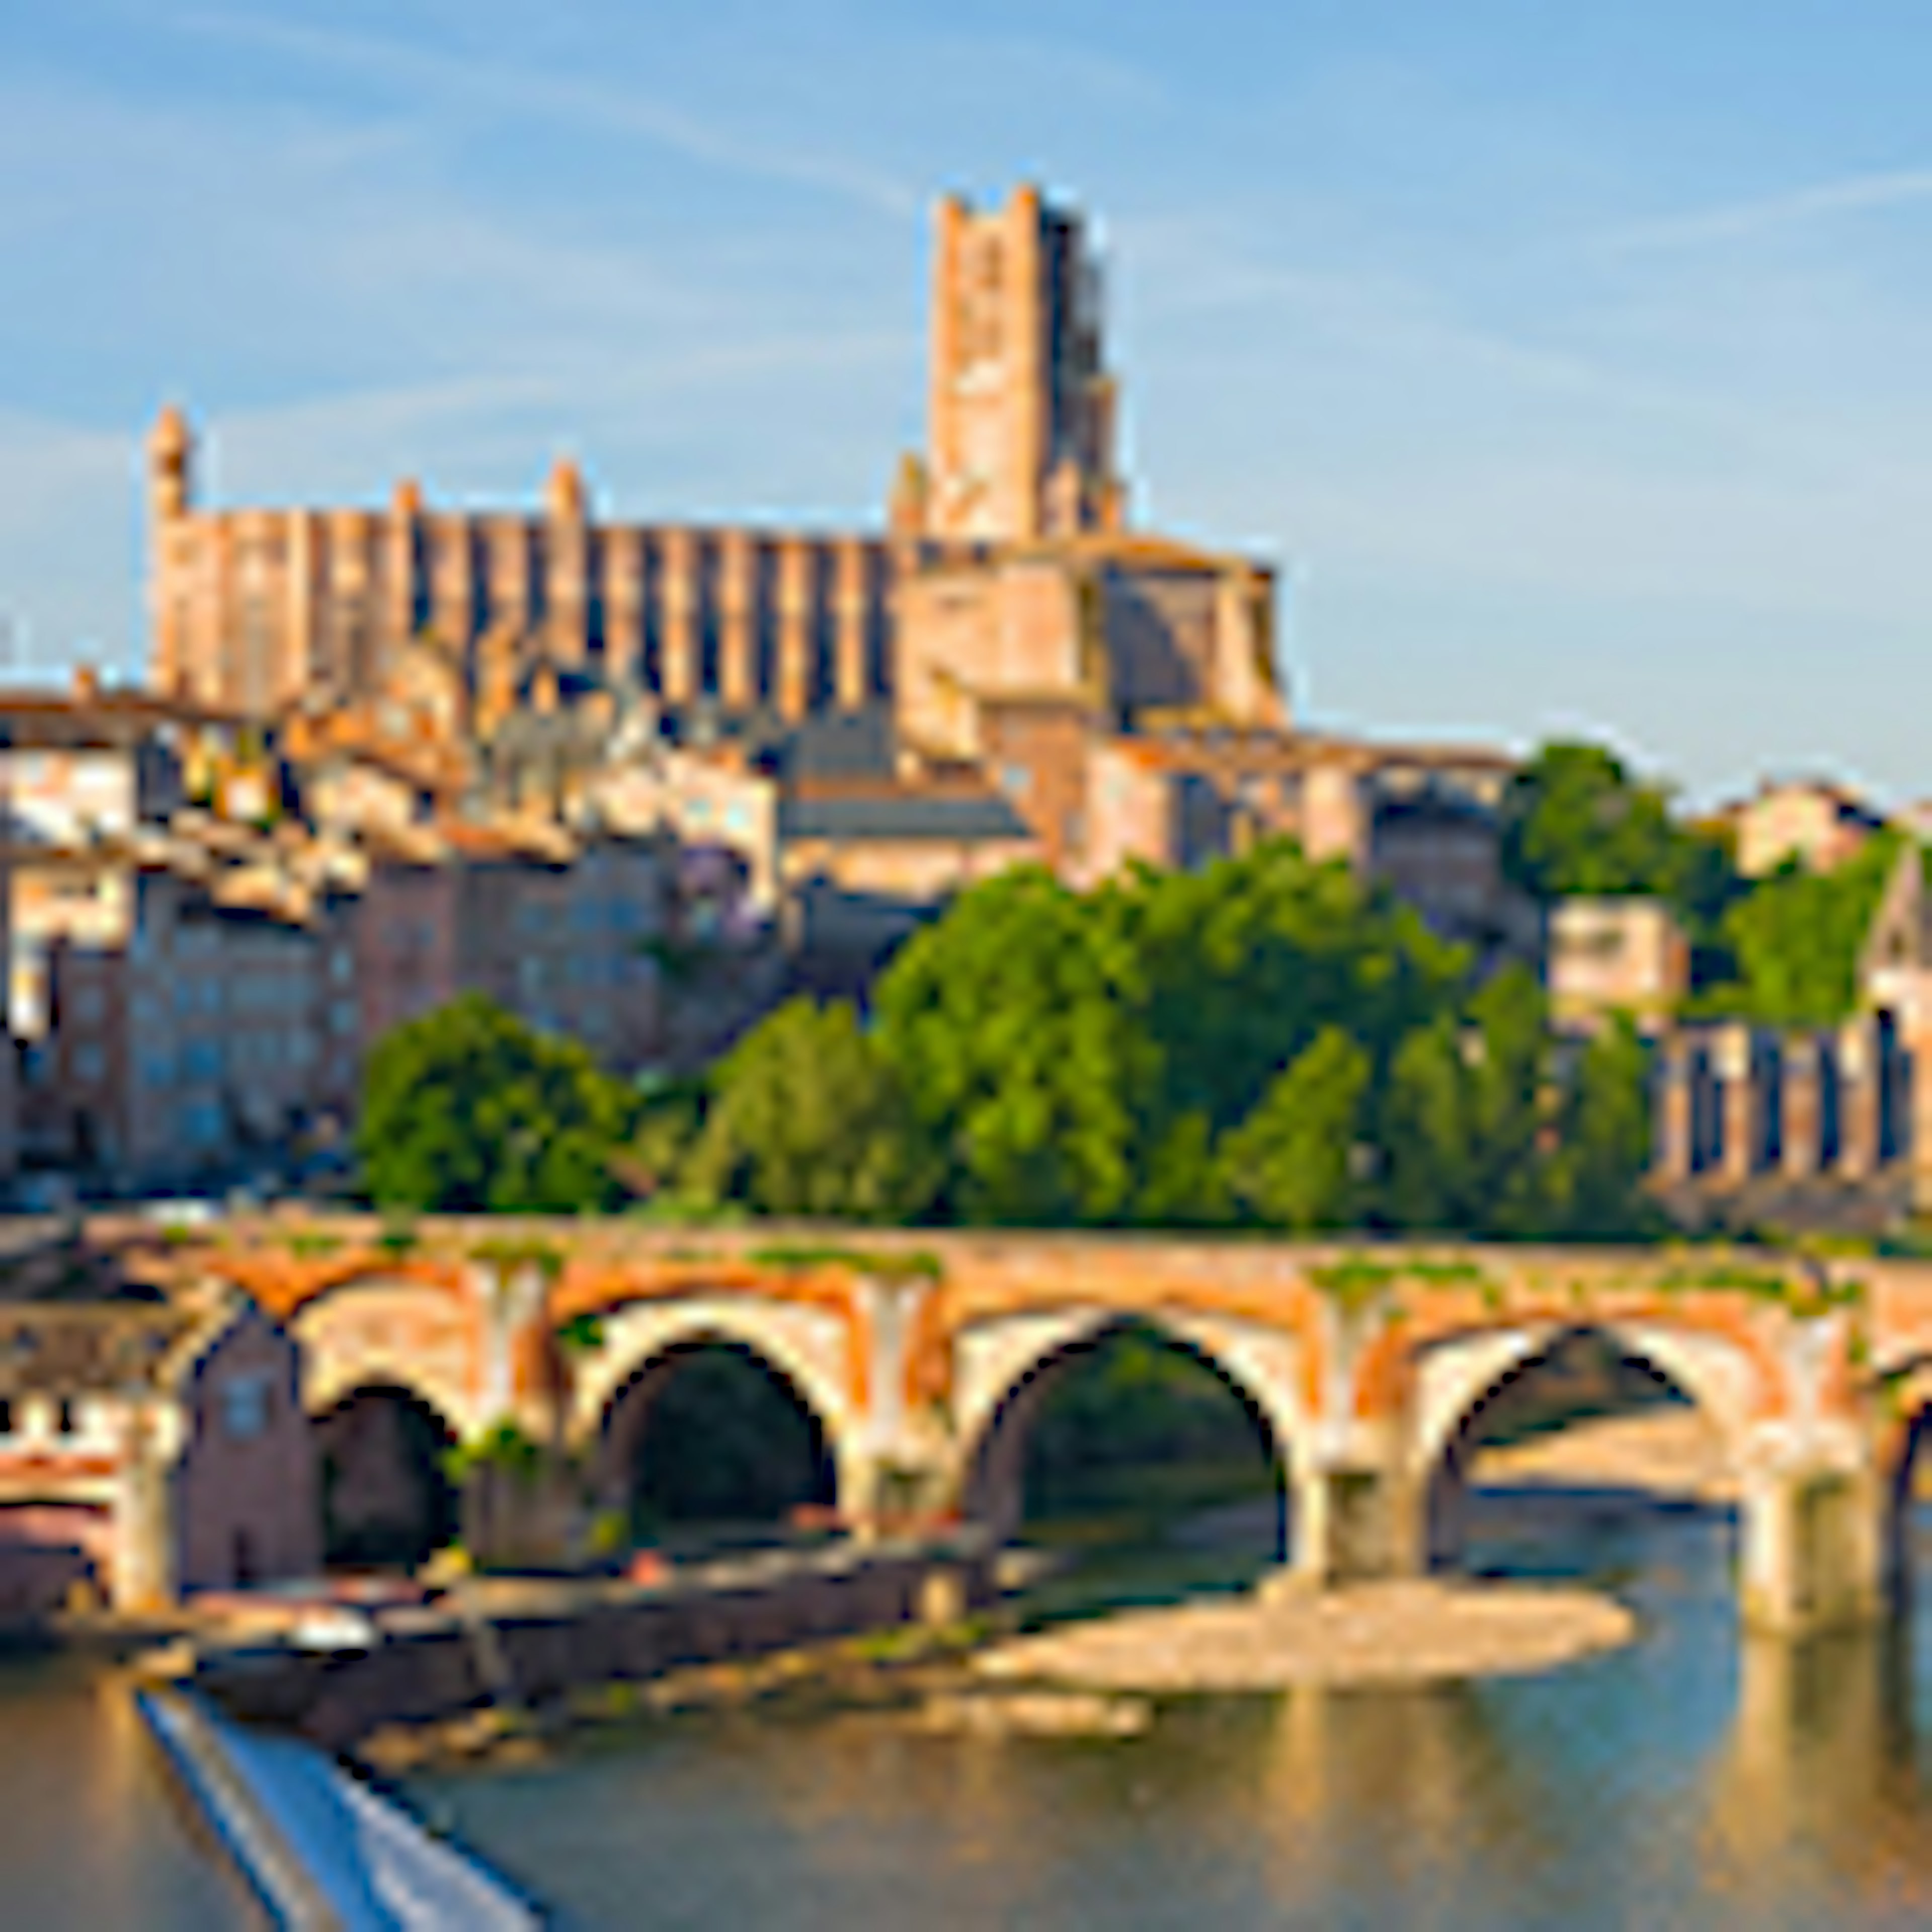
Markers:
point(1575, 822)
point(1292, 1162)
point(1797, 937)
point(1264, 1040)
point(468, 1110)
point(810, 1119)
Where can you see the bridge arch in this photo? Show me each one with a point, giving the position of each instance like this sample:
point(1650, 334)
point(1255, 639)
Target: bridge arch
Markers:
point(765, 1447)
point(1461, 1382)
point(387, 1498)
point(1019, 1365)
point(1904, 1464)
point(809, 1345)
point(51, 1546)
point(416, 1331)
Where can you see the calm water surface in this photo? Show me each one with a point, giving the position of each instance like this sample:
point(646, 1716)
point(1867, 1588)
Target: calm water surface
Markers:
point(92, 1834)
point(1692, 1781)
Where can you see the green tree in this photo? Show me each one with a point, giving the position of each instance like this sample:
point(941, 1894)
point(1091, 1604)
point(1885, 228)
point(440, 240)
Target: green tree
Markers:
point(808, 1117)
point(1079, 1056)
point(1184, 1184)
point(1244, 962)
point(1427, 1178)
point(1575, 822)
point(1290, 1163)
point(1012, 1022)
point(1510, 1087)
point(468, 1110)
point(1603, 1151)
point(1797, 937)
point(1466, 1115)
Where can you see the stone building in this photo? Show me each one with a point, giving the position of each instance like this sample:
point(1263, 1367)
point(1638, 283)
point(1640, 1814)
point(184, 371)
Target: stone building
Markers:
point(151, 1444)
point(1819, 824)
point(215, 1024)
point(1615, 955)
point(1007, 669)
point(1829, 1127)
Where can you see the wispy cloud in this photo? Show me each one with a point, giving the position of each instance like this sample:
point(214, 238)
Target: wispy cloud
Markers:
point(1740, 220)
point(529, 92)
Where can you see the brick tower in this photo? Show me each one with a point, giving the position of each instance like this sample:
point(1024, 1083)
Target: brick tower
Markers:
point(1021, 422)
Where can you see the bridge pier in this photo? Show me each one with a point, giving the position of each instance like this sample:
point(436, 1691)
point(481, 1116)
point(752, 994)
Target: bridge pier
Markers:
point(1355, 1521)
point(143, 1522)
point(1813, 1548)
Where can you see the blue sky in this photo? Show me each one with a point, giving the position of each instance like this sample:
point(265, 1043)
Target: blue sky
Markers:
point(1572, 361)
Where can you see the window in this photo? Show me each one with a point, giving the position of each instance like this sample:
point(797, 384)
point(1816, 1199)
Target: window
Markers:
point(7, 1422)
point(247, 1398)
point(67, 1416)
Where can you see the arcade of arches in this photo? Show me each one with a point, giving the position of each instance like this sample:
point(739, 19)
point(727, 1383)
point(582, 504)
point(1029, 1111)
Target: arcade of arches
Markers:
point(904, 1372)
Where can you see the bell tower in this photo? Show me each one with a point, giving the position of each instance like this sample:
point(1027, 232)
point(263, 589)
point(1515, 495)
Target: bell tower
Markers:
point(170, 466)
point(1021, 407)
point(172, 542)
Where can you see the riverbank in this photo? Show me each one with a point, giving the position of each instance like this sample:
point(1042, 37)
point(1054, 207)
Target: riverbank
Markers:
point(515, 1655)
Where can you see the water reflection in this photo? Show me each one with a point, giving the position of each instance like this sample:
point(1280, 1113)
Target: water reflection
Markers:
point(91, 1833)
point(1823, 1781)
point(1694, 1780)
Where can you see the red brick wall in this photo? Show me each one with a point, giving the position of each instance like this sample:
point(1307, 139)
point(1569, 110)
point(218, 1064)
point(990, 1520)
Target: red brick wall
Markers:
point(246, 1507)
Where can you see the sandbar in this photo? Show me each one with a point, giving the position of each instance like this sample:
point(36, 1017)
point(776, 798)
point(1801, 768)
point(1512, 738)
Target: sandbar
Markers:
point(1402, 1631)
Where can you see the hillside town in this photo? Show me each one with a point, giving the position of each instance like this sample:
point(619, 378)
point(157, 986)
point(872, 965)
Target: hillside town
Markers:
point(640, 784)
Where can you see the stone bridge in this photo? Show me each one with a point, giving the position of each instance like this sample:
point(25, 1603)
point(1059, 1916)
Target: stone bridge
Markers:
point(922, 1356)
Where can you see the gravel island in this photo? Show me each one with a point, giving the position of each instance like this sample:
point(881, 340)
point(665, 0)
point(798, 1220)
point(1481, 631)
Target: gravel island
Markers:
point(1407, 1631)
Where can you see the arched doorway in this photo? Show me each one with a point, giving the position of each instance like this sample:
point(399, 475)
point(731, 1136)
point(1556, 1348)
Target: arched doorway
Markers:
point(709, 1442)
point(1136, 1455)
point(1567, 1462)
point(388, 1501)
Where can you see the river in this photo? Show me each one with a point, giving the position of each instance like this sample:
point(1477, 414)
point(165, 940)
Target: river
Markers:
point(1693, 1780)
point(92, 1831)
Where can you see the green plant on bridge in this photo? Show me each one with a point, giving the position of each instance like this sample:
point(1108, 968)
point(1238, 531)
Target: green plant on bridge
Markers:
point(1355, 1283)
point(399, 1237)
point(1811, 1300)
point(803, 1258)
point(1729, 1278)
point(308, 1244)
point(581, 1335)
point(506, 1446)
point(1460, 1273)
point(510, 1257)
point(1808, 1295)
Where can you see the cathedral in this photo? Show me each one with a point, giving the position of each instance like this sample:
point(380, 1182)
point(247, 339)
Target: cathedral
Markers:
point(1006, 668)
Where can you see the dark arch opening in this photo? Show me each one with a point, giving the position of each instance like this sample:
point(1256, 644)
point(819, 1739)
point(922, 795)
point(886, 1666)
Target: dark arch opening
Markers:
point(388, 1502)
point(1520, 1488)
point(54, 1554)
point(710, 1442)
point(1908, 1526)
point(1138, 1452)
